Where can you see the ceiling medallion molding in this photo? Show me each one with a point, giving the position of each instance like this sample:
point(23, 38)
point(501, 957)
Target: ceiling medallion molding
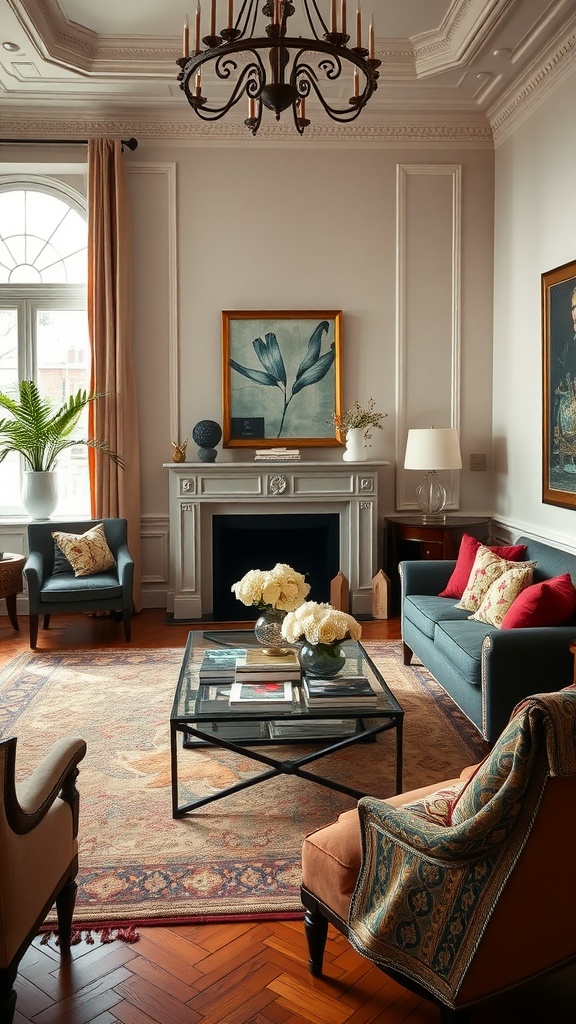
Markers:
point(461, 134)
point(516, 109)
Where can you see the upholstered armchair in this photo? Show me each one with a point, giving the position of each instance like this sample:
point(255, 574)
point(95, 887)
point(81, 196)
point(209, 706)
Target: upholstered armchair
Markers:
point(38, 854)
point(461, 891)
point(54, 587)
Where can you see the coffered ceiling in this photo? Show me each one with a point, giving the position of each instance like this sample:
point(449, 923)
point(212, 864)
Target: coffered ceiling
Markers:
point(112, 62)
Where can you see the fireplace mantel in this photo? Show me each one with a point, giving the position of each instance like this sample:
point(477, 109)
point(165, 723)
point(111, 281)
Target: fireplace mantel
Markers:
point(199, 491)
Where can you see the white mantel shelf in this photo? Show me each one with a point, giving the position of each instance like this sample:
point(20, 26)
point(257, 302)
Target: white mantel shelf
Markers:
point(200, 490)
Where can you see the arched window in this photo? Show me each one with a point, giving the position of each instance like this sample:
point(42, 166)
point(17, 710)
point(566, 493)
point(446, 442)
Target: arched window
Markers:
point(43, 320)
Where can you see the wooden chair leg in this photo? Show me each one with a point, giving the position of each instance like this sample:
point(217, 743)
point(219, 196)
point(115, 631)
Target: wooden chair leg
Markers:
point(65, 903)
point(316, 928)
point(127, 618)
point(33, 619)
point(406, 654)
point(46, 621)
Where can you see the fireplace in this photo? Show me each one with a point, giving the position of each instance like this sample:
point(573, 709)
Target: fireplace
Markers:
point(323, 512)
point(307, 542)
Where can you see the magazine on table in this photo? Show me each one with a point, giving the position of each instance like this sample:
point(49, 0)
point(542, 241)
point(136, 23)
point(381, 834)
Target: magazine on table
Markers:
point(220, 662)
point(339, 692)
point(263, 696)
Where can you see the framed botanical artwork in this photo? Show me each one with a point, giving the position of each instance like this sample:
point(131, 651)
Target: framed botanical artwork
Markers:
point(281, 378)
point(559, 386)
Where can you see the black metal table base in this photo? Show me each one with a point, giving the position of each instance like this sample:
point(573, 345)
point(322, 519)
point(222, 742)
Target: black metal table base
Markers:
point(276, 766)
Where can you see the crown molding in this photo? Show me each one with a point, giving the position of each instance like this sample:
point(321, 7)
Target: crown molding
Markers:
point(517, 106)
point(401, 131)
point(462, 35)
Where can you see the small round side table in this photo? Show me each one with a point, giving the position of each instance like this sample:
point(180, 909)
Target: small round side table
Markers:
point(11, 582)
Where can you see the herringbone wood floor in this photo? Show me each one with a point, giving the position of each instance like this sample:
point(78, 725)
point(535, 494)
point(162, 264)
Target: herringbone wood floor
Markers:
point(250, 973)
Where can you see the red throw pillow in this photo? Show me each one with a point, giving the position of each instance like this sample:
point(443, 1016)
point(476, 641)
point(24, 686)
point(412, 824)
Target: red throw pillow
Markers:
point(550, 603)
point(468, 547)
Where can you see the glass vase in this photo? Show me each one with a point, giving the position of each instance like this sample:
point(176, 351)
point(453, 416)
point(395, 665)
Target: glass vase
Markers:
point(321, 661)
point(268, 632)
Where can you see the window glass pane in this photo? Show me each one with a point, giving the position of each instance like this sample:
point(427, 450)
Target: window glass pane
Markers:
point(10, 468)
point(63, 369)
point(42, 239)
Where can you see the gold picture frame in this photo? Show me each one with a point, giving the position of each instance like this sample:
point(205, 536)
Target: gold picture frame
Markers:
point(281, 378)
point(559, 386)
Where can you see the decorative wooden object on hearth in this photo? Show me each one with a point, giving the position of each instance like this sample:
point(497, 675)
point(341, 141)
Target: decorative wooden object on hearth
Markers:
point(381, 595)
point(340, 593)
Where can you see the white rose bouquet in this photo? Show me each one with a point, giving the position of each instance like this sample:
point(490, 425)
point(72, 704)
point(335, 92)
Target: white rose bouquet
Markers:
point(281, 587)
point(320, 624)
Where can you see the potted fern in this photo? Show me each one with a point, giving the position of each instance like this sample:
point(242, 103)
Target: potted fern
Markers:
point(39, 433)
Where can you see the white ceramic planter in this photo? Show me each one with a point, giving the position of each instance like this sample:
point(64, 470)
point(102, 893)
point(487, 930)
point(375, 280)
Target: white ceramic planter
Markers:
point(40, 494)
point(355, 449)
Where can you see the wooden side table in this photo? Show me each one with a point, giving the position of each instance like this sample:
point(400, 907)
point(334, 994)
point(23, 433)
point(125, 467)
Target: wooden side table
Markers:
point(11, 583)
point(408, 537)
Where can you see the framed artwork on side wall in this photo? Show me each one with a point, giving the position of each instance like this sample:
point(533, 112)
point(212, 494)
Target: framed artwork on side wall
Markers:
point(281, 378)
point(559, 386)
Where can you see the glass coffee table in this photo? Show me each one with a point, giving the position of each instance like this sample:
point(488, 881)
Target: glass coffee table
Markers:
point(202, 716)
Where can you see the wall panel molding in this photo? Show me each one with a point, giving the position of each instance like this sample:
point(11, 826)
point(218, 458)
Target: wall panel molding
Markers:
point(428, 320)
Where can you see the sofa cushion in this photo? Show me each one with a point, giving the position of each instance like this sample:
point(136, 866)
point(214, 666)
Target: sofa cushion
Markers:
point(424, 612)
point(461, 643)
point(549, 603)
point(466, 555)
point(502, 593)
point(488, 566)
point(88, 553)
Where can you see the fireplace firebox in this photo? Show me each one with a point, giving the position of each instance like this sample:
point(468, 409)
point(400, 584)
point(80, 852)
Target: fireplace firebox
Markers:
point(307, 542)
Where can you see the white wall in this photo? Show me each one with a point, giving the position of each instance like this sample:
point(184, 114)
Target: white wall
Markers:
point(298, 227)
point(535, 231)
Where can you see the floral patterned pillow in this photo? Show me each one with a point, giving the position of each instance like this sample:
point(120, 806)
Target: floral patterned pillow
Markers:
point(503, 592)
point(487, 567)
point(88, 552)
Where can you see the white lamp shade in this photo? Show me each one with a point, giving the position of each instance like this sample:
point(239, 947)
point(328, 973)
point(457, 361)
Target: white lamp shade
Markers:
point(433, 448)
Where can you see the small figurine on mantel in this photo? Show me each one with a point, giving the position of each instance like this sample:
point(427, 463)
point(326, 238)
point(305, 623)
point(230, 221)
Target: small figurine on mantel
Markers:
point(179, 453)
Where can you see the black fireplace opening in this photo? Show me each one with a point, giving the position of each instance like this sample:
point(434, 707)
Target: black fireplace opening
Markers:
point(309, 543)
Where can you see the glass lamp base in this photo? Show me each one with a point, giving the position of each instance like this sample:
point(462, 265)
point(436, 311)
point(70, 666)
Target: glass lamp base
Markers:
point(431, 498)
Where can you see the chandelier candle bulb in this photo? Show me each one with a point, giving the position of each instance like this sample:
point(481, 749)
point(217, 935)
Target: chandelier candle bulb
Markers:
point(356, 82)
point(371, 40)
point(358, 28)
point(230, 13)
point(251, 107)
point(198, 89)
point(186, 38)
point(197, 39)
point(213, 18)
point(343, 17)
point(333, 16)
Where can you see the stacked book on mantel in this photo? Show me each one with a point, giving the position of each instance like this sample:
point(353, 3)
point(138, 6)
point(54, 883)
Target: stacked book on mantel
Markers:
point(277, 455)
point(340, 692)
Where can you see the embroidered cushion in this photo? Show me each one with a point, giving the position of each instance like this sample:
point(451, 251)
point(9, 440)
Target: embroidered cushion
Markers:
point(502, 593)
point(88, 552)
point(488, 566)
point(436, 806)
point(549, 603)
point(466, 555)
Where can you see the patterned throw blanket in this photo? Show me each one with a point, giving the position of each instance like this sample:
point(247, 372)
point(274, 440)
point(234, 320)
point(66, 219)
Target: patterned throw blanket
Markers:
point(432, 871)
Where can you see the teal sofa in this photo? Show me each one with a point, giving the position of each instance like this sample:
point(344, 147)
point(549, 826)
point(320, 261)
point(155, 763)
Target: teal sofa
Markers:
point(485, 670)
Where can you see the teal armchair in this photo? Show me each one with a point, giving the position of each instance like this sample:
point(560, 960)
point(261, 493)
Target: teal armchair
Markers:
point(54, 588)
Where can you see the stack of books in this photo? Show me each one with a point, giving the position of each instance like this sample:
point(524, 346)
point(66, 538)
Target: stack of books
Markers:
point(219, 664)
point(264, 696)
point(255, 666)
point(277, 455)
point(344, 691)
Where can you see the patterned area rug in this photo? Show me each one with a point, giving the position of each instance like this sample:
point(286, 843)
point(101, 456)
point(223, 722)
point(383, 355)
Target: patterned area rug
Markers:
point(236, 857)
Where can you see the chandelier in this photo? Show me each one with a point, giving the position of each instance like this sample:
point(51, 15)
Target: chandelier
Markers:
point(269, 68)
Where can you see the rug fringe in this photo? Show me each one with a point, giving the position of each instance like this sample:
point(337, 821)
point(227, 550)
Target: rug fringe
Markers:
point(105, 934)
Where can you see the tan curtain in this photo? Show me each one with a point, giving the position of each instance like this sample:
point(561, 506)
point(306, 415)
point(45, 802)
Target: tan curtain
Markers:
point(114, 491)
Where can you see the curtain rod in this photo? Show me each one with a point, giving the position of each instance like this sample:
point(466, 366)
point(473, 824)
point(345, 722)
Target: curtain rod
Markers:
point(130, 143)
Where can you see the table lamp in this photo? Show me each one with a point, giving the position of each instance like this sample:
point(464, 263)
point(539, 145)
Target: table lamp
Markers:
point(432, 449)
